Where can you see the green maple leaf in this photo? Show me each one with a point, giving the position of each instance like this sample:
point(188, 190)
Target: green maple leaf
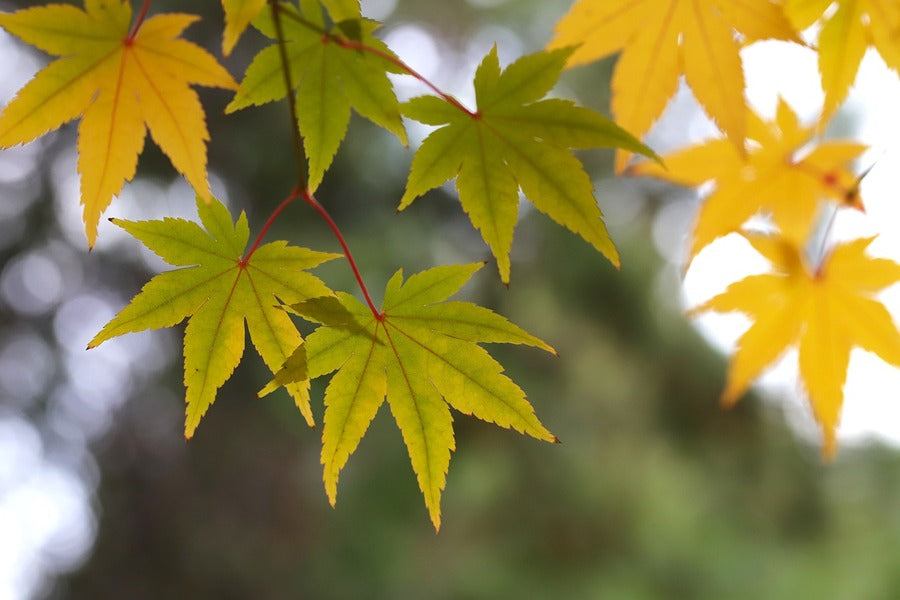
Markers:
point(422, 354)
point(219, 291)
point(341, 10)
point(514, 140)
point(329, 77)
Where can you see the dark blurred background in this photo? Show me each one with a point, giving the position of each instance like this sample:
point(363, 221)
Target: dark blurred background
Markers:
point(654, 492)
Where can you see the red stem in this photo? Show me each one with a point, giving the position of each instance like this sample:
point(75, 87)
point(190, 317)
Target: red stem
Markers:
point(409, 70)
point(337, 233)
point(138, 22)
point(353, 45)
point(295, 193)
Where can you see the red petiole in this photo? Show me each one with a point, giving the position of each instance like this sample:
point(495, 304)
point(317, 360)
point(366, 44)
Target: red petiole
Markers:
point(353, 45)
point(137, 23)
point(310, 199)
point(295, 193)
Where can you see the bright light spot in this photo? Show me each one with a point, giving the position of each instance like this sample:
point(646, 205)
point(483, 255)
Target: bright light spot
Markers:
point(31, 284)
point(26, 367)
point(419, 50)
point(45, 514)
point(18, 162)
point(774, 69)
point(379, 10)
point(16, 68)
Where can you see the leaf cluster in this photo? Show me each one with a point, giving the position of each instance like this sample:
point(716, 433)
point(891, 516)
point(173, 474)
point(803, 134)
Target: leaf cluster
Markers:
point(777, 169)
point(124, 74)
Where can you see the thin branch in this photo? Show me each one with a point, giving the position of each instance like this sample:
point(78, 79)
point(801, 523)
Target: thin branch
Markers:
point(394, 60)
point(295, 193)
point(138, 22)
point(301, 155)
point(819, 258)
point(337, 233)
point(409, 70)
point(299, 152)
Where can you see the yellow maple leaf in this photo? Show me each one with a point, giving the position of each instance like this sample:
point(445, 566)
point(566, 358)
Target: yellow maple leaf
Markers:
point(826, 311)
point(238, 14)
point(845, 35)
point(782, 173)
point(663, 39)
point(121, 80)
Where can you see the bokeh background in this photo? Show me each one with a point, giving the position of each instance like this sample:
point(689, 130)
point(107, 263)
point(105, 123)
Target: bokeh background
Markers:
point(654, 492)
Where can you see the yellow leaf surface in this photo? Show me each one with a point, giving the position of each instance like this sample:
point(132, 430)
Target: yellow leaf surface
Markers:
point(122, 84)
point(826, 312)
point(238, 14)
point(781, 174)
point(846, 33)
point(661, 40)
point(420, 353)
point(222, 289)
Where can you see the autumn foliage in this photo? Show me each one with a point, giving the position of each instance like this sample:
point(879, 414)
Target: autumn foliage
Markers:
point(124, 74)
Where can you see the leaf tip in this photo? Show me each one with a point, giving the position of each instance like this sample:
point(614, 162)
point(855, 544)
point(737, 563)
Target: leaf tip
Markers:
point(268, 389)
point(829, 444)
point(331, 491)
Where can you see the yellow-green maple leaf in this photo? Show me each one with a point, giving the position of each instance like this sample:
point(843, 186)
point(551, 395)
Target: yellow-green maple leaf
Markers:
point(219, 290)
point(516, 140)
point(422, 354)
point(662, 39)
point(781, 174)
point(826, 311)
point(239, 14)
point(846, 33)
point(330, 77)
point(120, 86)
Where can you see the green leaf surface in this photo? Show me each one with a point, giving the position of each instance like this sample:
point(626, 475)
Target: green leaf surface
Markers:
point(342, 10)
point(330, 74)
point(218, 294)
point(421, 354)
point(516, 140)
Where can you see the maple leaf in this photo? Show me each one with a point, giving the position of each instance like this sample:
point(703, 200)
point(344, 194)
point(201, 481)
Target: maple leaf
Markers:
point(218, 290)
point(516, 140)
point(121, 84)
point(329, 77)
point(422, 354)
point(844, 37)
point(780, 173)
point(660, 40)
point(238, 14)
point(342, 10)
point(826, 311)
